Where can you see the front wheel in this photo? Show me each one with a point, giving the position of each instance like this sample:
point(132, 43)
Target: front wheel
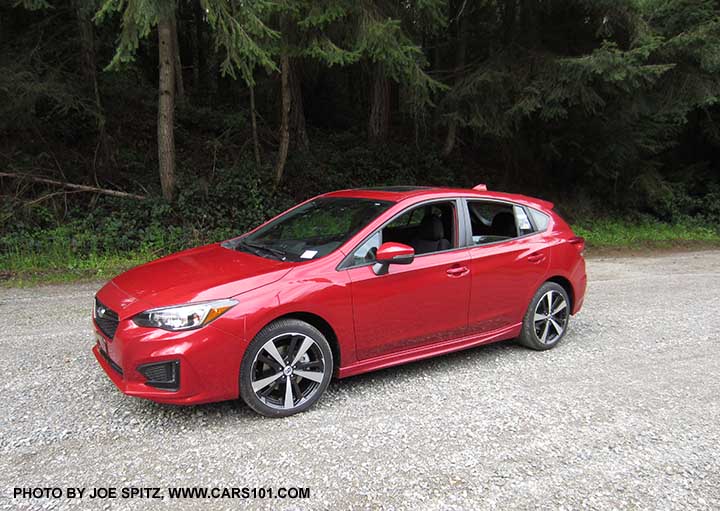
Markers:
point(285, 369)
point(546, 319)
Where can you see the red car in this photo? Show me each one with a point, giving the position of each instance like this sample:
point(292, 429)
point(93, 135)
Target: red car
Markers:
point(344, 283)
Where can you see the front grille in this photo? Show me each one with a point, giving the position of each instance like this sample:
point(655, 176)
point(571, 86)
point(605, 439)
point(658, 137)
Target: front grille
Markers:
point(107, 319)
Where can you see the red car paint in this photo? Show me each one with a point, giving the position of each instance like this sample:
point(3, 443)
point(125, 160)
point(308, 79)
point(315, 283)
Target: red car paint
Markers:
point(439, 303)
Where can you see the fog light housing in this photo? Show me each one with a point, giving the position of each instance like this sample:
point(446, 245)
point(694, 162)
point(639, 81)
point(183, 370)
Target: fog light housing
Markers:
point(162, 375)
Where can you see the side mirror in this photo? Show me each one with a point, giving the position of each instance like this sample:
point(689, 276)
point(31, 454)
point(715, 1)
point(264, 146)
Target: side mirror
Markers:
point(392, 253)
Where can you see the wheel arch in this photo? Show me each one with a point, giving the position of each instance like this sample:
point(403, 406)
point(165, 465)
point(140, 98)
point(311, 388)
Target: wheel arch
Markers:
point(566, 285)
point(321, 324)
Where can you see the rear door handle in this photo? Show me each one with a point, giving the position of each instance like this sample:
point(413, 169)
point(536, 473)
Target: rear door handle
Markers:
point(536, 258)
point(457, 271)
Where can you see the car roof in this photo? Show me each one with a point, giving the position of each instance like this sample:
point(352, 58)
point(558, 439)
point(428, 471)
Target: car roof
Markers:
point(402, 193)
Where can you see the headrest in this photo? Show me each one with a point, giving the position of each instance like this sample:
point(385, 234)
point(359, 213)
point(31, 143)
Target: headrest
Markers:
point(503, 224)
point(431, 228)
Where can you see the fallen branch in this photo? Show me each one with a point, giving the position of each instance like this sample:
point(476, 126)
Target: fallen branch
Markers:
point(48, 196)
point(72, 186)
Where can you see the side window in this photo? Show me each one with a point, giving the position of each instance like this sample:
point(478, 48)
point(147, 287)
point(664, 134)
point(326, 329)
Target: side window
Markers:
point(541, 219)
point(408, 219)
point(365, 253)
point(427, 228)
point(493, 221)
point(523, 222)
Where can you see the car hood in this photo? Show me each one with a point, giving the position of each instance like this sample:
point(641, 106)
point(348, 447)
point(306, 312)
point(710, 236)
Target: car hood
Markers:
point(205, 273)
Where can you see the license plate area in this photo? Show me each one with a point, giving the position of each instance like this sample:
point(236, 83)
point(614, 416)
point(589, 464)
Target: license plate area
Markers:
point(102, 344)
point(103, 347)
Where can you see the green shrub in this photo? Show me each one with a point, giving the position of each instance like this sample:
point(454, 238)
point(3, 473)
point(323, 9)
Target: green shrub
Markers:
point(102, 235)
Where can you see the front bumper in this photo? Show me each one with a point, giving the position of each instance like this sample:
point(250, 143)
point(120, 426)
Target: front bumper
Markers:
point(208, 360)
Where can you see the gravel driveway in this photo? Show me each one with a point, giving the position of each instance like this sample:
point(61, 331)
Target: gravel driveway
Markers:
point(625, 413)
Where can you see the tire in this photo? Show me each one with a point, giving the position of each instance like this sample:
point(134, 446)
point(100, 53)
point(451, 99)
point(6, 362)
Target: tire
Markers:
point(540, 330)
point(286, 368)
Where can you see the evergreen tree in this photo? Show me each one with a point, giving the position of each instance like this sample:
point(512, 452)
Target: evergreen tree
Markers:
point(620, 83)
point(138, 19)
point(308, 29)
point(617, 97)
point(237, 26)
point(385, 32)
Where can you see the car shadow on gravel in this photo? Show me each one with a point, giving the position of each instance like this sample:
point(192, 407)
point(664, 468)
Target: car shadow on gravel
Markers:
point(339, 392)
point(187, 418)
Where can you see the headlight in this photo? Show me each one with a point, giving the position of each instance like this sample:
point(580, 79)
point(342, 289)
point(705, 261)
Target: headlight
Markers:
point(184, 317)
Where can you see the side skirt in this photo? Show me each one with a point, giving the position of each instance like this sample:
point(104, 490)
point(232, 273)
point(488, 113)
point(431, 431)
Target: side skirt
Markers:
point(432, 350)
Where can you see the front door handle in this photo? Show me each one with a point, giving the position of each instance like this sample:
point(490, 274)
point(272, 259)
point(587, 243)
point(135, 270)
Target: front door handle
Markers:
point(457, 271)
point(536, 258)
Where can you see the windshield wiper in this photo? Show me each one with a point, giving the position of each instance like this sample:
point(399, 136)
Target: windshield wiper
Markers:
point(268, 250)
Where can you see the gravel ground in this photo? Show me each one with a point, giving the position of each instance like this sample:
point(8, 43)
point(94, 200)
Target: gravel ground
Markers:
point(624, 414)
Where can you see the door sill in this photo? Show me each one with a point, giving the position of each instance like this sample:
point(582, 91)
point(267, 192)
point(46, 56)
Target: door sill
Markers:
point(432, 350)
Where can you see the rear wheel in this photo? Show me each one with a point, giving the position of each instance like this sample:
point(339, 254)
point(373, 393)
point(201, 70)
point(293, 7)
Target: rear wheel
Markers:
point(286, 368)
point(546, 319)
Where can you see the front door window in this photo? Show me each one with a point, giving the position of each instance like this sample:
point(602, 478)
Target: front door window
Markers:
point(428, 228)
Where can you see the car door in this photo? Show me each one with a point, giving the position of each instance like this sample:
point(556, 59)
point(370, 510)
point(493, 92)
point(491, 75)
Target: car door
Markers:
point(411, 305)
point(508, 262)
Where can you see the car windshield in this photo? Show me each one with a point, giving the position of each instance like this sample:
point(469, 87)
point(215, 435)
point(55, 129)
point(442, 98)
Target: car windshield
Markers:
point(312, 230)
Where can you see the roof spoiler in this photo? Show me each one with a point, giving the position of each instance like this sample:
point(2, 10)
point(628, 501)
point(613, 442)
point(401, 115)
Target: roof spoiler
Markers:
point(482, 187)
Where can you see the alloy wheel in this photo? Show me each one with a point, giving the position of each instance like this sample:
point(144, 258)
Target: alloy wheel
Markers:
point(551, 316)
point(287, 371)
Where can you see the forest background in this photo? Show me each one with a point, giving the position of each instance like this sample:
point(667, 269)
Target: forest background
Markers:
point(133, 128)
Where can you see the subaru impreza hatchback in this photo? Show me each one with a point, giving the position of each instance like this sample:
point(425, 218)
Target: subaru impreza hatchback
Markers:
point(344, 283)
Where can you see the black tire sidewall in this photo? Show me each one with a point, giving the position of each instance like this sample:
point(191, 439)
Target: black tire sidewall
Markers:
point(273, 330)
point(528, 337)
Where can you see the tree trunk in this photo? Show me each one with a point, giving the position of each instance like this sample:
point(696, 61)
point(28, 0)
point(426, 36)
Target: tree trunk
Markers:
point(253, 119)
point(88, 68)
point(297, 112)
point(211, 78)
point(508, 18)
point(179, 83)
point(166, 106)
point(437, 68)
point(286, 99)
point(199, 63)
point(195, 60)
point(458, 75)
point(87, 51)
point(379, 123)
point(529, 23)
point(450, 138)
